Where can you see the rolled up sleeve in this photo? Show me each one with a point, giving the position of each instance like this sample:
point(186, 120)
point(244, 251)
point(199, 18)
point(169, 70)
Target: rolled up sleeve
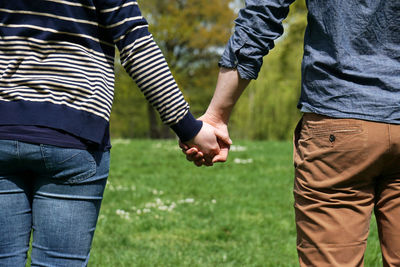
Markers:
point(256, 28)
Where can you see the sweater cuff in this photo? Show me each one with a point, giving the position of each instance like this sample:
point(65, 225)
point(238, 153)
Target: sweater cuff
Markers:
point(187, 128)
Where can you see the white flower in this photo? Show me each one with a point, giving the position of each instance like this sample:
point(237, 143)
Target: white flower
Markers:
point(156, 192)
point(187, 200)
point(119, 212)
point(123, 214)
point(121, 188)
point(157, 145)
point(238, 148)
point(213, 201)
point(172, 206)
point(150, 205)
point(163, 207)
point(121, 141)
point(242, 161)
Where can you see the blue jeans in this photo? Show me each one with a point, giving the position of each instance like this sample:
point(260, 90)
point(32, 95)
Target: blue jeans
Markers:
point(53, 192)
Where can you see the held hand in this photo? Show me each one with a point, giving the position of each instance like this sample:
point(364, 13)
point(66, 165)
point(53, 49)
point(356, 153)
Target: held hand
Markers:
point(204, 146)
point(192, 154)
point(222, 134)
point(224, 142)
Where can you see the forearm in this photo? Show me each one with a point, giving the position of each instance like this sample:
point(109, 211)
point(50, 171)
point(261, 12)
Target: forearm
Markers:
point(145, 63)
point(147, 66)
point(228, 90)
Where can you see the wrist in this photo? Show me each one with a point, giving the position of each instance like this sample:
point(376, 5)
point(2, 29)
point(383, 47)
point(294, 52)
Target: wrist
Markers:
point(187, 128)
point(216, 117)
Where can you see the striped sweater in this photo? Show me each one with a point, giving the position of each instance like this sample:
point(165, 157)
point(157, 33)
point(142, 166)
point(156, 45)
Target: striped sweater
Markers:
point(57, 66)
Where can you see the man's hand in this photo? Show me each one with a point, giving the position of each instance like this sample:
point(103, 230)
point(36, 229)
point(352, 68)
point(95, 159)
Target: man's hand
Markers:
point(206, 142)
point(198, 156)
point(228, 90)
point(222, 134)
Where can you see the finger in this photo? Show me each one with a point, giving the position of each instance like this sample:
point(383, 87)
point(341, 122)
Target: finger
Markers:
point(208, 163)
point(223, 136)
point(214, 149)
point(190, 154)
point(191, 151)
point(194, 156)
point(183, 146)
point(211, 154)
point(198, 156)
point(222, 156)
point(208, 159)
point(194, 153)
point(199, 163)
point(189, 158)
point(186, 152)
point(204, 162)
point(219, 158)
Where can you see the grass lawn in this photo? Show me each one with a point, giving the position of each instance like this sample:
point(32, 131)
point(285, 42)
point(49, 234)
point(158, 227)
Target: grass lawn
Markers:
point(160, 210)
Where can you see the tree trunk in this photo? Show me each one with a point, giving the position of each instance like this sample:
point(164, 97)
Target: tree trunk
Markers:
point(157, 130)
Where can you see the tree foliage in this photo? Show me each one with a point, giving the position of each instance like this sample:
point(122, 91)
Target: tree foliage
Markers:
point(190, 33)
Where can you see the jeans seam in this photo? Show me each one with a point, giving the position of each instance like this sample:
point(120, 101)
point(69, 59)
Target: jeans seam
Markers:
point(389, 139)
point(17, 150)
point(42, 151)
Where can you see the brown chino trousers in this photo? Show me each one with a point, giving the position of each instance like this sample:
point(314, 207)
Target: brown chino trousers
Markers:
point(345, 169)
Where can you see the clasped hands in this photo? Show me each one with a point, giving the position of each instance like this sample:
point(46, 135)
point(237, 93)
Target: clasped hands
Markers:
point(210, 145)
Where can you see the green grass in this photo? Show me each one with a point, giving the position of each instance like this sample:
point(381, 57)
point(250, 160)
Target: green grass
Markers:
point(160, 210)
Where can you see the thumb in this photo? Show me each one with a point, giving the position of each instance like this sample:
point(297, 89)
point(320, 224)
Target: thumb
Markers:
point(223, 136)
point(222, 156)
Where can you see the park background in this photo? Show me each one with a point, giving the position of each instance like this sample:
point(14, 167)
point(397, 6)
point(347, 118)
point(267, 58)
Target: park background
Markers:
point(192, 35)
point(160, 210)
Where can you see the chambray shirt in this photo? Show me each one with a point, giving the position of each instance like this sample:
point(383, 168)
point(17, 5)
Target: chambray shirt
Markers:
point(351, 63)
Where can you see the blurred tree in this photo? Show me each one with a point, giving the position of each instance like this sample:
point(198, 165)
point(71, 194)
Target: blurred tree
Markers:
point(191, 34)
point(129, 113)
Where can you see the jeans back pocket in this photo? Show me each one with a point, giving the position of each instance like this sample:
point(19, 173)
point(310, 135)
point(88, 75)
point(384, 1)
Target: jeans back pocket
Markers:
point(68, 165)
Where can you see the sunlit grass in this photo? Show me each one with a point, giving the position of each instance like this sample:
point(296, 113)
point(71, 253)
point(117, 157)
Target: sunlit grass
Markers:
point(160, 210)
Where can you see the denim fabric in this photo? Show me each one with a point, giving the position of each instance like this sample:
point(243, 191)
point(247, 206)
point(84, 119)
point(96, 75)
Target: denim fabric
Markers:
point(56, 193)
point(351, 64)
point(257, 26)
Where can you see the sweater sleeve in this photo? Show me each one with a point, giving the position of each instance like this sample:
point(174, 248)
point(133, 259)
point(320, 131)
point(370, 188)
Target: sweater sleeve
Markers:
point(145, 63)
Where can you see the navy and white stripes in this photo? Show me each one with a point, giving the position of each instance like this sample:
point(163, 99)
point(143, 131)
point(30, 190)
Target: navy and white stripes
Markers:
point(59, 72)
point(61, 52)
point(146, 64)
